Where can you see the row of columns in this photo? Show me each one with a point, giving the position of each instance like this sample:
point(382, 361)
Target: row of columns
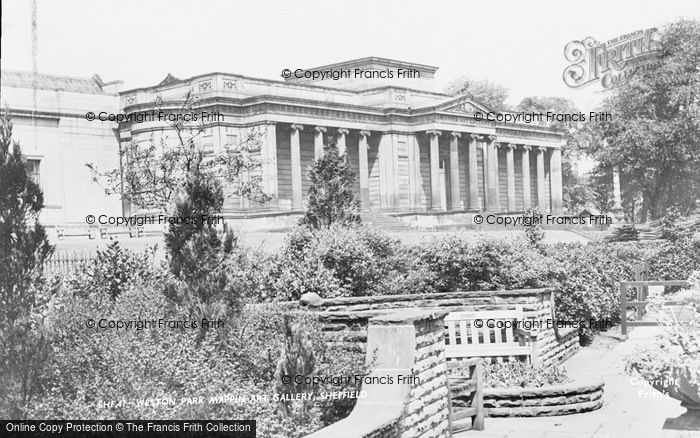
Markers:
point(490, 166)
point(491, 179)
point(320, 131)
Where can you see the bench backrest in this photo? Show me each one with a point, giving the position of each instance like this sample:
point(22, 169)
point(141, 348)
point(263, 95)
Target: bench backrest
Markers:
point(496, 336)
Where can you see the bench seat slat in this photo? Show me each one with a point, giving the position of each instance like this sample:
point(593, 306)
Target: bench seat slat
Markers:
point(463, 413)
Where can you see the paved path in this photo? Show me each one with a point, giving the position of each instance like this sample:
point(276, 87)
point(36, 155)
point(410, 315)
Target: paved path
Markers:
point(629, 410)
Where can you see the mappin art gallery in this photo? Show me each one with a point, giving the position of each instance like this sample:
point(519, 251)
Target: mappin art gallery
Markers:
point(416, 152)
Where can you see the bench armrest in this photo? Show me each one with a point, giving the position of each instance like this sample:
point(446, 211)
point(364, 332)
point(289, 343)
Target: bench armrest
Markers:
point(527, 334)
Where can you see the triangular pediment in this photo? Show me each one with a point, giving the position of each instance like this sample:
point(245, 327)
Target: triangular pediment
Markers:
point(169, 79)
point(462, 105)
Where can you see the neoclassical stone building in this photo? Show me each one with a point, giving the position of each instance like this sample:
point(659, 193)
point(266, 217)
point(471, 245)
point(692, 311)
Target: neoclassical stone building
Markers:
point(413, 149)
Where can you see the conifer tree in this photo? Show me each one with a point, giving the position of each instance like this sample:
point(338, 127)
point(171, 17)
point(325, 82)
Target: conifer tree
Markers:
point(331, 198)
point(23, 250)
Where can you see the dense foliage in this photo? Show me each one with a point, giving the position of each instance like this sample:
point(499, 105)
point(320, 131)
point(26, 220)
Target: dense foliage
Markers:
point(653, 136)
point(517, 373)
point(331, 198)
point(24, 340)
point(673, 356)
point(146, 372)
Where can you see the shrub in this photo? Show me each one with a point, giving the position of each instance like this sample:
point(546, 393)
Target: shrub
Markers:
point(488, 264)
point(521, 374)
point(113, 271)
point(677, 259)
point(677, 348)
point(336, 261)
point(237, 360)
point(586, 280)
point(533, 228)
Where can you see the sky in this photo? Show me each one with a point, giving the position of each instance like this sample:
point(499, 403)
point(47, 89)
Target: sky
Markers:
point(518, 44)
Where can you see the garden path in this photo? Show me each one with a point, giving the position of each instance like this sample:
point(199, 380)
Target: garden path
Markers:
point(630, 410)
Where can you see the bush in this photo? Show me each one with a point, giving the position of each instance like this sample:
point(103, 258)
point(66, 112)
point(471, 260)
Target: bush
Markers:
point(237, 360)
point(521, 374)
point(336, 261)
point(113, 271)
point(676, 348)
point(488, 264)
point(586, 281)
point(676, 260)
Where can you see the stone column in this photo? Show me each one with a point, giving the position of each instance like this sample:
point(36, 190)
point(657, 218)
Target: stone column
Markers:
point(527, 200)
point(434, 169)
point(473, 174)
point(455, 196)
point(555, 183)
point(342, 148)
point(318, 142)
point(510, 176)
point(362, 148)
point(541, 199)
point(270, 162)
point(492, 174)
point(414, 176)
point(297, 199)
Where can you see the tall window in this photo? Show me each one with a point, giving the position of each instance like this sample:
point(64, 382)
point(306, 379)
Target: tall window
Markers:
point(32, 167)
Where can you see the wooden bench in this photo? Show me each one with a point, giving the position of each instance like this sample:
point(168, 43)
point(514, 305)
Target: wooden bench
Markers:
point(495, 335)
point(465, 382)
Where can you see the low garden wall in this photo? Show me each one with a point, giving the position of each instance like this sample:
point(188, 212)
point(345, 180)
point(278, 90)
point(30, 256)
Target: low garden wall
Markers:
point(582, 395)
point(403, 343)
point(345, 319)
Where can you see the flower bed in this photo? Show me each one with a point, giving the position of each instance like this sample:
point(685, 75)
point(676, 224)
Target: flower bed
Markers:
point(562, 399)
point(518, 389)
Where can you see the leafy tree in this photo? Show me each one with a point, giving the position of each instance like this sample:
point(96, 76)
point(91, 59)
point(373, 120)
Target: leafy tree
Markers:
point(187, 182)
point(23, 250)
point(654, 135)
point(331, 198)
point(154, 175)
point(490, 94)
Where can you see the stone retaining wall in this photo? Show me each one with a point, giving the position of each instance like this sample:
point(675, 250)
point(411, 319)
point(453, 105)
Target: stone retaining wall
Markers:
point(346, 319)
point(404, 343)
point(571, 398)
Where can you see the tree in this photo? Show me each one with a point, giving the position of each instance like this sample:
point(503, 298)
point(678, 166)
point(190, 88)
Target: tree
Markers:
point(187, 182)
point(24, 249)
point(154, 175)
point(483, 91)
point(654, 135)
point(194, 246)
point(331, 198)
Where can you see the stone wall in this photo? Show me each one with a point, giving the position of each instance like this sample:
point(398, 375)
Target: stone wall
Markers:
point(346, 319)
point(582, 395)
point(402, 344)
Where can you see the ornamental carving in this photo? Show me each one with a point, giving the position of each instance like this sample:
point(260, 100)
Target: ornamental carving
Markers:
point(462, 108)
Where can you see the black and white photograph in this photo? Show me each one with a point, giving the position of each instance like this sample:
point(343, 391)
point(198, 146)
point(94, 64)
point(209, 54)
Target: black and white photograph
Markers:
point(366, 219)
